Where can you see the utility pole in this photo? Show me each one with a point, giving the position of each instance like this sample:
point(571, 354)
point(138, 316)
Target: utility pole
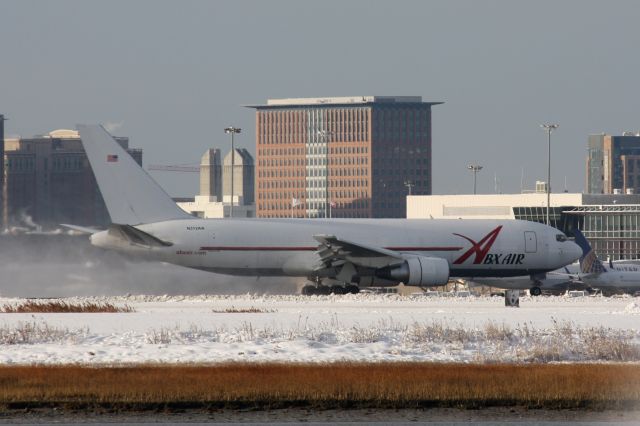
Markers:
point(3, 178)
point(475, 168)
point(232, 131)
point(549, 127)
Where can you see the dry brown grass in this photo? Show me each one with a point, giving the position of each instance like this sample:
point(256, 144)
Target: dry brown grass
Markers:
point(60, 306)
point(324, 386)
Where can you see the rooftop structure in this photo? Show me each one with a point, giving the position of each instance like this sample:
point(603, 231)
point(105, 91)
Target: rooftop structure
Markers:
point(342, 100)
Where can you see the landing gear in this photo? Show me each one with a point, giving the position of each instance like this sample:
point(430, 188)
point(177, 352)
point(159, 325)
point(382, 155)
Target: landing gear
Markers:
point(351, 289)
point(311, 289)
point(535, 291)
point(308, 290)
point(337, 289)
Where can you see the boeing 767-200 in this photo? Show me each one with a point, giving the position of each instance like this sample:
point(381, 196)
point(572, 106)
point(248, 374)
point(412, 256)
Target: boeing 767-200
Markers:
point(352, 252)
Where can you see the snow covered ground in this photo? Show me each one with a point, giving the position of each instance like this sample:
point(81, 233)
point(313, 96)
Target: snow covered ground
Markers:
point(364, 327)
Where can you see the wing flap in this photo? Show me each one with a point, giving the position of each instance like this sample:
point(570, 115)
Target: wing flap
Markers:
point(334, 252)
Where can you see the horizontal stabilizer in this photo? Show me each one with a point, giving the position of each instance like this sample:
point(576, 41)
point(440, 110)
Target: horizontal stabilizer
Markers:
point(81, 229)
point(137, 237)
point(131, 195)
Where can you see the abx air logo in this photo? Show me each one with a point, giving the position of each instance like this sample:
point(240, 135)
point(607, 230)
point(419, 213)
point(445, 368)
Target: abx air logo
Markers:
point(480, 248)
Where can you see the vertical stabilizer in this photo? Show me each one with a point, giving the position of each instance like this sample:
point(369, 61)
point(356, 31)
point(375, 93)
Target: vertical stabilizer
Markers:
point(589, 262)
point(131, 195)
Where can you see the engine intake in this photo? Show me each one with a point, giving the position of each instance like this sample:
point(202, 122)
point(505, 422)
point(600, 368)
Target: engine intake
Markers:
point(418, 271)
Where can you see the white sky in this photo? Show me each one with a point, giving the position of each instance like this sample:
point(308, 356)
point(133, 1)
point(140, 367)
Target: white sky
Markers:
point(172, 75)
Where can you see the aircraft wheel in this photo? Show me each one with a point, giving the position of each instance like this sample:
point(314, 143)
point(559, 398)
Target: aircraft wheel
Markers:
point(337, 289)
point(309, 290)
point(323, 289)
point(351, 289)
point(535, 291)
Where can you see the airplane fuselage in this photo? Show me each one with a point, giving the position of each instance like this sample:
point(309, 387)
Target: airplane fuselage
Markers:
point(286, 247)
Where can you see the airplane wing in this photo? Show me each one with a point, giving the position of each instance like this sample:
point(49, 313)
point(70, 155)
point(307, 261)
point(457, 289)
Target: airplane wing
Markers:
point(334, 252)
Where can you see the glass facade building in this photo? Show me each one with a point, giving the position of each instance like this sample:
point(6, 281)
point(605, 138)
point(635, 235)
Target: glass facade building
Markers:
point(610, 222)
point(341, 157)
point(613, 164)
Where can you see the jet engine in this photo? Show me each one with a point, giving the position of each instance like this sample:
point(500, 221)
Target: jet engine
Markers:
point(419, 271)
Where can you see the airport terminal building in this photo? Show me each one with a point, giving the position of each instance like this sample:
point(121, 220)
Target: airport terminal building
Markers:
point(611, 222)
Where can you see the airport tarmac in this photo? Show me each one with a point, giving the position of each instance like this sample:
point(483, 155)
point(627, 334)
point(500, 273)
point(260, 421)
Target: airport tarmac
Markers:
point(516, 416)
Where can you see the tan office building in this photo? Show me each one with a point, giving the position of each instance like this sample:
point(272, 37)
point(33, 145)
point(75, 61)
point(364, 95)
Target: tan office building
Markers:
point(49, 181)
point(379, 150)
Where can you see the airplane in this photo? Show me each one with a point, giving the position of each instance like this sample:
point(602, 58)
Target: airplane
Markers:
point(616, 277)
point(558, 280)
point(352, 253)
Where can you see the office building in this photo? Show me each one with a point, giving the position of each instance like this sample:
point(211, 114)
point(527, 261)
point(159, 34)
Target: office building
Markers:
point(613, 164)
point(211, 174)
point(243, 177)
point(611, 222)
point(214, 182)
point(49, 181)
point(342, 157)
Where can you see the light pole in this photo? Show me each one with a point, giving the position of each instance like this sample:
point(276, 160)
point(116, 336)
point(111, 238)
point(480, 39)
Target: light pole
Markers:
point(409, 185)
point(549, 127)
point(475, 168)
point(233, 131)
point(325, 135)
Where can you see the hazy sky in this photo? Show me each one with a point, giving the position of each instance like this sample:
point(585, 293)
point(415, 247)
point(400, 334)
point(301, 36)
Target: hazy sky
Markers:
point(172, 75)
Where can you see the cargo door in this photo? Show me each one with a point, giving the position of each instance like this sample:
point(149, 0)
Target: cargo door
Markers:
point(530, 242)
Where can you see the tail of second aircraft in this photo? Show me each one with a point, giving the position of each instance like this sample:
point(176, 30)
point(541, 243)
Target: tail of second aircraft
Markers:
point(589, 262)
point(131, 195)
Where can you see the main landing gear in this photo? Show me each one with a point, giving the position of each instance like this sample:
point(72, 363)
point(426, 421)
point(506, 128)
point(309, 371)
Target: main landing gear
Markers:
point(320, 289)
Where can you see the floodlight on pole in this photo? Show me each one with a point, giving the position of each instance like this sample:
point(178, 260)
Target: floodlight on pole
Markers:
point(475, 168)
point(549, 127)
point(232, 131)
point(409, 184)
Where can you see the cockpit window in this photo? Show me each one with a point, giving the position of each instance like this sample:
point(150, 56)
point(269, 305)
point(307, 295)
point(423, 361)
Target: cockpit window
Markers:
point(561, 238)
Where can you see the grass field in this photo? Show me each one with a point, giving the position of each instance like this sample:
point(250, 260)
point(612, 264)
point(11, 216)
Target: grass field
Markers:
point(340, 385)
point(60, 307)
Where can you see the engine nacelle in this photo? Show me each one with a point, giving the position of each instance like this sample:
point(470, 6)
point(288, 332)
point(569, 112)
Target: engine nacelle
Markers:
point(418, 271)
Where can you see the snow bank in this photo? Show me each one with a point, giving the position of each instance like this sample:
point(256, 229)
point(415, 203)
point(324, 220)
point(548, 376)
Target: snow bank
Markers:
point(213, 329)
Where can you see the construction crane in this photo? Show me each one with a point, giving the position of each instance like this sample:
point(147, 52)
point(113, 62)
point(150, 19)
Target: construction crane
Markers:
point(174, 168)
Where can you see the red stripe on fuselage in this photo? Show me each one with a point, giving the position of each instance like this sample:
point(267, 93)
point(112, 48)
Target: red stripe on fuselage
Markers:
point(264, 248)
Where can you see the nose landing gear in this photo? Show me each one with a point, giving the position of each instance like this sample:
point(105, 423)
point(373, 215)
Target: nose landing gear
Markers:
point(535, 291)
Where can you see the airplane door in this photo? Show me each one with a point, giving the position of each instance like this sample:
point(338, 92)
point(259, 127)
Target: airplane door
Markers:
point(530, 242)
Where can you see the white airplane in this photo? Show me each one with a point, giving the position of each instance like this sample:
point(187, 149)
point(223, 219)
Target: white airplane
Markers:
point(618, 276)
point(558, 280)
point(353, 252)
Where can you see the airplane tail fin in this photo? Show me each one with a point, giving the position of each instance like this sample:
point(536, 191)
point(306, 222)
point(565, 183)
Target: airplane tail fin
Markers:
point(131, 195)
point(589, 262)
